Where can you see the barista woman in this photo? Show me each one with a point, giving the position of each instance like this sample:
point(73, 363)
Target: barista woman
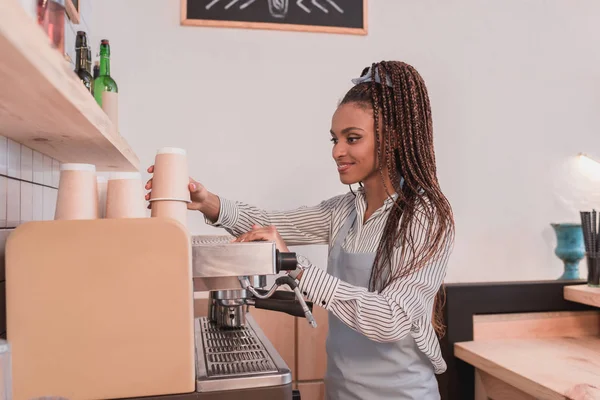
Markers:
point(389, 241)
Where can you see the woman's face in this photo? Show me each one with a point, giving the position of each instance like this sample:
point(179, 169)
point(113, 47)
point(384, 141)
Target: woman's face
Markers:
point(353, 137)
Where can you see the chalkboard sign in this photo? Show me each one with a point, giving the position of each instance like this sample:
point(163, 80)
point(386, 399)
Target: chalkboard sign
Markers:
point(329, 16)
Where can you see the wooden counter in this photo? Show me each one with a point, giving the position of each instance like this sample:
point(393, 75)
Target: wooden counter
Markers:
point(583, 294)
point(545, 368)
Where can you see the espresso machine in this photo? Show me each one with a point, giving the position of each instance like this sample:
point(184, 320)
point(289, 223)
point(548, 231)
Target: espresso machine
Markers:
point(104, 309)
point(234, 359)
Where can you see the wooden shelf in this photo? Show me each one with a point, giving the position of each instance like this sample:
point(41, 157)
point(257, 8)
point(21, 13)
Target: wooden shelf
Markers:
point(545, 368)
point(44, 106)
point(583, 294)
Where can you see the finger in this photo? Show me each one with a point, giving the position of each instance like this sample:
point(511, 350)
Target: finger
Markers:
point(257, 235)
point(151, 169)
point(192, 187)
point(255, 227)
point(242, 238)
point(148, 184)
point(147, 196)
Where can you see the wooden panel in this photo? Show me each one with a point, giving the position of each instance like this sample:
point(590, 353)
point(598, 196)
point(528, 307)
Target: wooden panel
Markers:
point(583, 294)
point(312, 390)
point(495, 389)
point(536, 325)
point(82, 285)
point(44, 105)
point(544, 368)
point(279, 328)
point(312, 358)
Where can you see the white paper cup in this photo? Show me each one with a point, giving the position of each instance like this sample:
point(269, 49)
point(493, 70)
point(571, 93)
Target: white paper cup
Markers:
point(77, 192)
point(125, 196)
point(176, 210)
point(170, 178)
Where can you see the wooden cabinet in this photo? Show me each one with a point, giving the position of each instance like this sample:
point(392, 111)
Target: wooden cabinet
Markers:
point(279, 328)
point(312, 359)
point(312, 390)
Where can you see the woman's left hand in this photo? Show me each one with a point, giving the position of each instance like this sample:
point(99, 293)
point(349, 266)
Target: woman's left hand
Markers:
point(266, 233)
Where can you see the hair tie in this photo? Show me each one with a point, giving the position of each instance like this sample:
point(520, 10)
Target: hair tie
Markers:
point(366, 77)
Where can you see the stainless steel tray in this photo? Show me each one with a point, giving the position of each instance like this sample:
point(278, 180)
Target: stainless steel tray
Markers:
point(236, 358)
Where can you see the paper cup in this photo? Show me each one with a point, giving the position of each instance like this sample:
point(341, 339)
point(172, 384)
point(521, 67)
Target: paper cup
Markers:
point(77, 192)
point(102, 187)
point(176, 210)
point(125, 196)
point(170, 178)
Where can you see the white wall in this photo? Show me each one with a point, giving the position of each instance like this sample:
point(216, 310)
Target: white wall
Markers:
point(513, 86)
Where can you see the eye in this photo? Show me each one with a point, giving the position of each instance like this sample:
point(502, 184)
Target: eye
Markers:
point(333, 140)
point(353, 139)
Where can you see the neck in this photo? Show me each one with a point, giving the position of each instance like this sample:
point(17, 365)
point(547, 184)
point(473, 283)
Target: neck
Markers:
point(375, 192)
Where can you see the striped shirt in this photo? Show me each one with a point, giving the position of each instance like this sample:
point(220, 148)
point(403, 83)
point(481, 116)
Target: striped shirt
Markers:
point(403, 308)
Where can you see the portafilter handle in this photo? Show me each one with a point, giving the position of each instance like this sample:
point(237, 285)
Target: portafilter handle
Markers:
point(282, 280)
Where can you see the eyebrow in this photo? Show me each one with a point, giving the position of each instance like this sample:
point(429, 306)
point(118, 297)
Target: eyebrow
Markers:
point(347, 130)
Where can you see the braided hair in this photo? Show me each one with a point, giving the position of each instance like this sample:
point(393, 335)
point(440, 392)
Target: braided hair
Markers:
point(404, 145)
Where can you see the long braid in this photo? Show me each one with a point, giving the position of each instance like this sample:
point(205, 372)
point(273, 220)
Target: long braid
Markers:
point(404, 113)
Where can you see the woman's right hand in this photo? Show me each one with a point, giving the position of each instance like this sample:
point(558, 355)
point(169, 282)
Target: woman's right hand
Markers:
point(198, 193)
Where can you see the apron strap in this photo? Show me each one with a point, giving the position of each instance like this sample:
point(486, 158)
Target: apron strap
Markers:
point(339, 240)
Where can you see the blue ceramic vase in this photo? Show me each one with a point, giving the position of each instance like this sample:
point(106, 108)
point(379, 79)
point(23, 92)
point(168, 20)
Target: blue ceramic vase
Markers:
point(569, 248)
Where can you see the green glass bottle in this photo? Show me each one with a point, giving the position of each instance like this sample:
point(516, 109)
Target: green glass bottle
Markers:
point(104, 82)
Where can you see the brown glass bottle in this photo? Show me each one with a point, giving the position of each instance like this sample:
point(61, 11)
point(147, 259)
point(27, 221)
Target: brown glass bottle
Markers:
point(81, 58)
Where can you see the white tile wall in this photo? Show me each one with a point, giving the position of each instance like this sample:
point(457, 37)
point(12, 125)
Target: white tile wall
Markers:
point(14, 159)
point(47, 170)
point(3, 155)
point(26, 173)
point(13, 203)
point(48, 203)
point(26, 163)
point(26, 203)
point(38, 167)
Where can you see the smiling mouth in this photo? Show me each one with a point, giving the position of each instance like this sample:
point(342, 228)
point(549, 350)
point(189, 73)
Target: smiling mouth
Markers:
point(343, 167)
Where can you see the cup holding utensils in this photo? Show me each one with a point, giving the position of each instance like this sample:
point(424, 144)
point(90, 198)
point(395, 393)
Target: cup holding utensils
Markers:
point(589, 223)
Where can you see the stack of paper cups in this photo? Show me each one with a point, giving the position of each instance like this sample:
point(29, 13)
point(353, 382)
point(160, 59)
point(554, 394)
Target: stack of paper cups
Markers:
point(170, 193)
point(77, 192)
point(125, 196)
point(102, 186)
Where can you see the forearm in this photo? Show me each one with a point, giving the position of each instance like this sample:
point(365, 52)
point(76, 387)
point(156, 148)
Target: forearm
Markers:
point(377, 316)
point(211, 207)
point(304, 225)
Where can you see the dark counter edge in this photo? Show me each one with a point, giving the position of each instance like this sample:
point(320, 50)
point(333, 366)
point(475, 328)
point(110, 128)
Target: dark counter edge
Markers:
point(282, 392)
point(464, 300)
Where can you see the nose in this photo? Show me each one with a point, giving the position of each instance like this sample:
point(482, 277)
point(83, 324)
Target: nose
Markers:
point(339, 150)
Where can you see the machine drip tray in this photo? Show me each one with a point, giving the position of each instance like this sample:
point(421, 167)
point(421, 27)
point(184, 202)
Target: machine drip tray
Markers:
point(236, 351)
point(236, 358)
